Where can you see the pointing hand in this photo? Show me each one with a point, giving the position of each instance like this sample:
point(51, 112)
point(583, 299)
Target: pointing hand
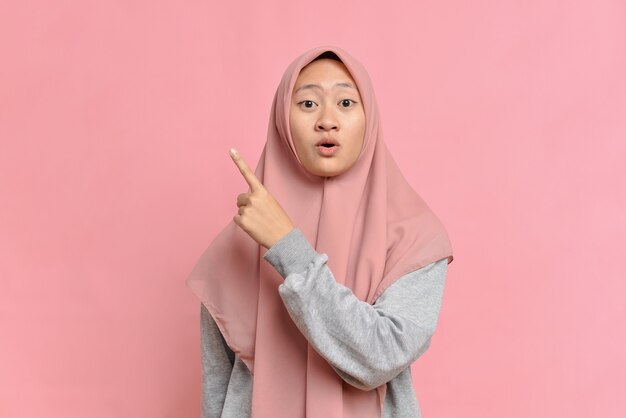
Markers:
point(260, 215)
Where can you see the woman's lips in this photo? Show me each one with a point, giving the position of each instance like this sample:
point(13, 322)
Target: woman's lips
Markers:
point(327, 151)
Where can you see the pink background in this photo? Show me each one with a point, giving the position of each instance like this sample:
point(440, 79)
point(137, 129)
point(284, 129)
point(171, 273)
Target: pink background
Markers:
point(115, 122)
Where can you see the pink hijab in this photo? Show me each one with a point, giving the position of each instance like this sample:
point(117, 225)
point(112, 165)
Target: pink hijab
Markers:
point(369, 221)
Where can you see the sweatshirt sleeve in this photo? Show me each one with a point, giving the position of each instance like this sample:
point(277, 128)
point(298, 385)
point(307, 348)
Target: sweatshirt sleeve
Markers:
point(217, 365)
point(367, 345)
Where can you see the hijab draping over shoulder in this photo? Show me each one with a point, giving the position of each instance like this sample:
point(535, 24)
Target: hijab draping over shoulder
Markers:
point(369, 221)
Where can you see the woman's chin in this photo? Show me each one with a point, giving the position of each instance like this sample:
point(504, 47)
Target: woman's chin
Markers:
point(326, 167)
point(321, 168)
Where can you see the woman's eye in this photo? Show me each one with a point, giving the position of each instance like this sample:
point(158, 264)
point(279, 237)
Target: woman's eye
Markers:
point(308, 103)
point(347, 102)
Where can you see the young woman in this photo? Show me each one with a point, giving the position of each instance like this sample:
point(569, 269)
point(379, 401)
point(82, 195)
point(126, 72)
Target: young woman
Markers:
point(327, 284)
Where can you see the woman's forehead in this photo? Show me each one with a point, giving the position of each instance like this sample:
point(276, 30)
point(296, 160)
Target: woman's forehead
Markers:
point(327, 73)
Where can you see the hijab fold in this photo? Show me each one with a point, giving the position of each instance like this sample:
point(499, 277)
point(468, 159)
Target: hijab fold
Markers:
point(369, 221)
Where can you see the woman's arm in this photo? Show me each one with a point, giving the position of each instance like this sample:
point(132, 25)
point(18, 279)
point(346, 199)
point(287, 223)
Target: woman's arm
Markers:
point(367, 345)
point(217, 364)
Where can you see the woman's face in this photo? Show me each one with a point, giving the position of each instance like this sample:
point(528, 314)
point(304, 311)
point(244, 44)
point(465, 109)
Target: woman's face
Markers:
point(326, 106)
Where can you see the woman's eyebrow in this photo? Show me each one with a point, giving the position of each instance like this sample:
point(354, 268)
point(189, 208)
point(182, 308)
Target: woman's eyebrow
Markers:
point(311, 86)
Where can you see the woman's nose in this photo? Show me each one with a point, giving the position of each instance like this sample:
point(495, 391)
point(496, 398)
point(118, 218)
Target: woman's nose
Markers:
point(328, 120)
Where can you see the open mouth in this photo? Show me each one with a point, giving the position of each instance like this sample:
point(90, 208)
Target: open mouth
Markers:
point(327, 149)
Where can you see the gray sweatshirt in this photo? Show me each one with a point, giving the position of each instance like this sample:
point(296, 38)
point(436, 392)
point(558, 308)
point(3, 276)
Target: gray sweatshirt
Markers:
point(378, 342)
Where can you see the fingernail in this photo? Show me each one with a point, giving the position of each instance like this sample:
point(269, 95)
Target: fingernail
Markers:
point(233, 152)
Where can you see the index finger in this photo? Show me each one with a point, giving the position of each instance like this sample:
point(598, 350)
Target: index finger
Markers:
point(252, 180)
